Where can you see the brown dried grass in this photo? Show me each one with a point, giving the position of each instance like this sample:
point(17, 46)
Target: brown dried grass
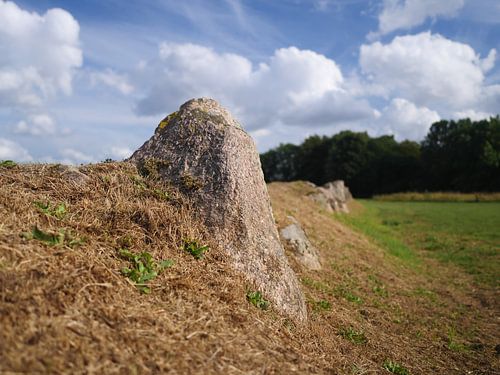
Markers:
point(411, 324)
point(69, 310)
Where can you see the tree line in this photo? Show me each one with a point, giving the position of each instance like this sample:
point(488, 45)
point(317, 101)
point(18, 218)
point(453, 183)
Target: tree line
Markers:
point(461, 156)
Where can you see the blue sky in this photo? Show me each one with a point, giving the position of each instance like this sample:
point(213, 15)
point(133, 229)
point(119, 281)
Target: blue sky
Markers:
point(81, 81)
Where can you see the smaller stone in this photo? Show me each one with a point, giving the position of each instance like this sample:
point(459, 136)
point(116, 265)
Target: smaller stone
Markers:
point(333, 196)
point(305, 253)
point(73, 174)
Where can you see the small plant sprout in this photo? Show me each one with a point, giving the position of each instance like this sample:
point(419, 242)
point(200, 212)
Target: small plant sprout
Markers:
point(161, 195)
point(356, 337)
point(344, 292)
point(58, 211)
point(143, 268)
point(395, 368)
point(7, 164)
point(64, 237)
point(194, 248)
point(322, 305)
point(256, 299)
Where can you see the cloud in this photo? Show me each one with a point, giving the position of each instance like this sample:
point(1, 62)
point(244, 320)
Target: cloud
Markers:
point(405, 120)
point(40, 124)
point(38, 57)
point(490, 99)
point(121, 153)
point(472, 114)
point(112, 79)
point(294, 86)
point(38, 54)
point(427, 69)
point(405, 14)
point(72, 156)
point(10, 150)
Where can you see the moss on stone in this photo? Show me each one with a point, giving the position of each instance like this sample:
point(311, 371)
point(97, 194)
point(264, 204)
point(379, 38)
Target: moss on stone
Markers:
point(166, 121)
point(191, 182)
point(151, 167)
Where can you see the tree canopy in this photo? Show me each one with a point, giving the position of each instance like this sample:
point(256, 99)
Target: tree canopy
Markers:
point(461, 156)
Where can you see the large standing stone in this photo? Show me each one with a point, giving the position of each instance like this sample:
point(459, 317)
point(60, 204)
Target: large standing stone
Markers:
point(204, 151)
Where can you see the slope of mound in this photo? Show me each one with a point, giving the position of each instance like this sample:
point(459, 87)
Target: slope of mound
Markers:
point(66, 306)
point(388, 305)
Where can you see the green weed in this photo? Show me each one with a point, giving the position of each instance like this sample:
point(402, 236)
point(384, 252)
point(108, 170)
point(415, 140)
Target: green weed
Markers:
point(380, 290)
point(161, 195)
point(422, 292)
point(256, 299)
point(395, 368)
point(344, 292)
point(143, 268)
point(453, 343)
point(322, 305)
point(194, 248)
point(356, 337)
point(390, 223)
point(64, 237)
point(58, 211)
point(7, 164)
point(139, 182)
point(318, 285)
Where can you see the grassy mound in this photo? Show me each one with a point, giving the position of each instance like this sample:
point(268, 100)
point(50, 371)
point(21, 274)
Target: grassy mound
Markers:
point(68, 304)
point(114, 275)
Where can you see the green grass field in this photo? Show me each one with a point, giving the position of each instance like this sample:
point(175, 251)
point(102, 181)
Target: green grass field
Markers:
point(466, 234)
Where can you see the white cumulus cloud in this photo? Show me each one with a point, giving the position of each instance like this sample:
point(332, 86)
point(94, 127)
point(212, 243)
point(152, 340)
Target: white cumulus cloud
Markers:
point(72, 156)
point(405, 120)
point(40, 124)
point(427, 69)
point(38, 54)
point(472, 114)
point(112, 79)
point(121, 153)
point(294, 86)
point(405, 14)
point(10, 150)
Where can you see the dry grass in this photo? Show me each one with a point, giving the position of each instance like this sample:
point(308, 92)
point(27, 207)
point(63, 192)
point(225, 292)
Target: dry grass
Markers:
point(409, 314)
point(440, 197)
point(69, 309)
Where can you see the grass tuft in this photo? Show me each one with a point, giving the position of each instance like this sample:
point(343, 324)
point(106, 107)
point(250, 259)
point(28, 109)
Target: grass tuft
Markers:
point(322, 305)
point(63, 238)
point(256, 299)
point(143, 268)
point(354, 336)
point(194, 248)
point(7, 164)
point(395, 368)
point(58, 211)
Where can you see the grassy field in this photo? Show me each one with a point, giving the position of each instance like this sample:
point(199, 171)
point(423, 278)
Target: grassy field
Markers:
point(439, 197)
point(466, 234)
